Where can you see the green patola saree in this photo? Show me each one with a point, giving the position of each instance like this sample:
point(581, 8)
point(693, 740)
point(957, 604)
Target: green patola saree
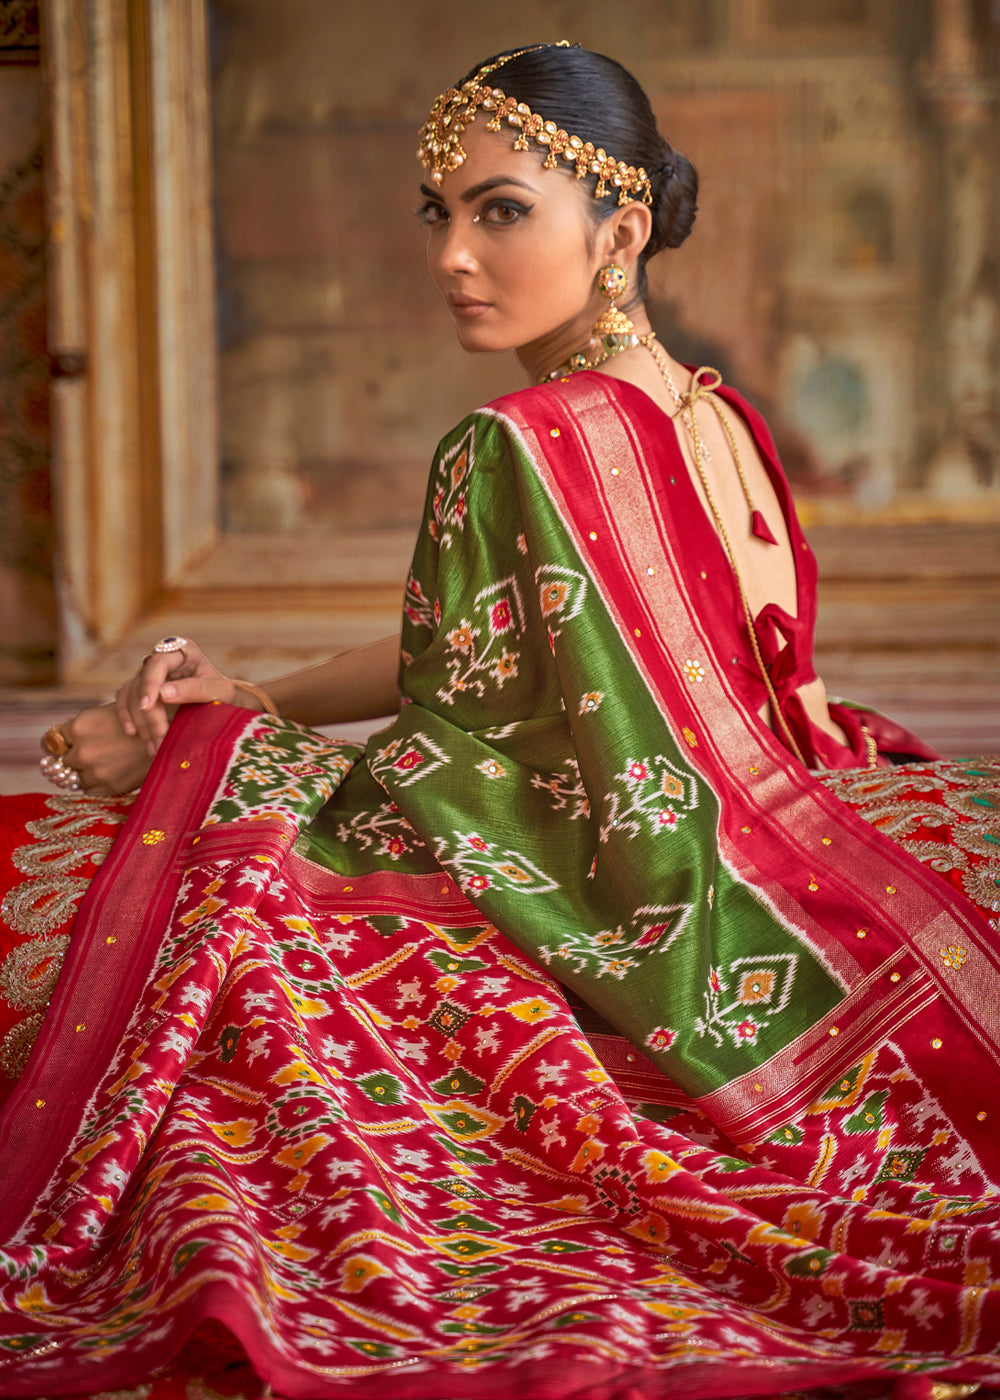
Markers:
point(572, 1040)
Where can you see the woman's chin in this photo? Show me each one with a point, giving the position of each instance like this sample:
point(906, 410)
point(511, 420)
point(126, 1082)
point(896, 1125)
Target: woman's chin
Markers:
point(478, 340)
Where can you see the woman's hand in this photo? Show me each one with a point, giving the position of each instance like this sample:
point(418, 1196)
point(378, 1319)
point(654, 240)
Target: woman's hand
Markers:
point(106, 759)
point(166, 679)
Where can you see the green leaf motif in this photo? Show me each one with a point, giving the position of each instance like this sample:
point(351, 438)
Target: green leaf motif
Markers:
point(460, 1081)
point(450, 962)
point(383, 1088)
point(810, 1264)
point(869, 1118)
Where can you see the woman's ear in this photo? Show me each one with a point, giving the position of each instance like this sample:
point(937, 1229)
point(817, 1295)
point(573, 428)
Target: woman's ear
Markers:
point(626, 233)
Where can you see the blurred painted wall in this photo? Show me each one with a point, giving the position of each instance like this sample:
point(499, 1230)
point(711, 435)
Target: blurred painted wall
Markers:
point(842, 272)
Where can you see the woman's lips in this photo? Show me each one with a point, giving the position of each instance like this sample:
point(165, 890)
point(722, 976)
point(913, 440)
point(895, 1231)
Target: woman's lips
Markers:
point(467, 307)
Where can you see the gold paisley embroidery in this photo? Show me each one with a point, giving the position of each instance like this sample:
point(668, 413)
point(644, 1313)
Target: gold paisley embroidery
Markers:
point(63, 843)
point(28, 973)
point(38, 906)
point(16, 1045)
point(55, 856)
point(982, 884)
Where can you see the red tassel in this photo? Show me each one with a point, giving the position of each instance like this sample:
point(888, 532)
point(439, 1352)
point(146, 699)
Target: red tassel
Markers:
point(760, 527)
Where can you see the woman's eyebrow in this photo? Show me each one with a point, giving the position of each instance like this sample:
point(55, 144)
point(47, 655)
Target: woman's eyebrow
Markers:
point(474, 191)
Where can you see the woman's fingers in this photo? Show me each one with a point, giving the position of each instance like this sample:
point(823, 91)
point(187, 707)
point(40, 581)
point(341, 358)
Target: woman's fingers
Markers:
point(104, 758)
point(197, 690)
point(143, 702)
point(138, 696)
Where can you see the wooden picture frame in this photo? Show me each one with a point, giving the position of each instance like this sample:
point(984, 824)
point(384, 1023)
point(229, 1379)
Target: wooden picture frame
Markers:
point(132, 337)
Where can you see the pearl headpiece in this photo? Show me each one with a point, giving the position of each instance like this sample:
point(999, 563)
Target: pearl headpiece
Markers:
point(441, 135)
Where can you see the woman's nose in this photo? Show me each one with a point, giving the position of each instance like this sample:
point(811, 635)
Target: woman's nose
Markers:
point(457, 254)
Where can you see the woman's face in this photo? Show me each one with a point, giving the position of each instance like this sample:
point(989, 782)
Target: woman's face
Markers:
point(513, 250)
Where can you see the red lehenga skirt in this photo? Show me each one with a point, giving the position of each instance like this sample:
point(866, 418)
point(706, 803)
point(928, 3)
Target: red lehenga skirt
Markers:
point(947, 815)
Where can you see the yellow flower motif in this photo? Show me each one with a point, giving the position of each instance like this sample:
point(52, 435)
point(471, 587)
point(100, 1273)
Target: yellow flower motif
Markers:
point(658, 1166)
point(756, 986)
point(954, 957)
point(535, 1009)
point(205, 909)
point(463, 637)
point(506, 666)
point(694, 672)
point(358, 1271)
point(515, 874)
point(33, 1299)
point(236, 1133)
point(802, 1220)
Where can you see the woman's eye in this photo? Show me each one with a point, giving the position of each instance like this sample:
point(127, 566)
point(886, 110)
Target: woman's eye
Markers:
point(430, 213)
point(503, 211)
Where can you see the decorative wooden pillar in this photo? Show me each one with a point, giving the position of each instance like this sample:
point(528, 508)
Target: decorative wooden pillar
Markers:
point(967, 459)
point(131, 328)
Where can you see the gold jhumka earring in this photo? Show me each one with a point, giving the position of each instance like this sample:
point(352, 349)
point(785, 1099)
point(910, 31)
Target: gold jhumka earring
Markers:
point(613, 331)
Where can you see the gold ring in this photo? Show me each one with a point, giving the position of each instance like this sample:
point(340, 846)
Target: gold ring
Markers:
point(54, 741)
point(171, 644)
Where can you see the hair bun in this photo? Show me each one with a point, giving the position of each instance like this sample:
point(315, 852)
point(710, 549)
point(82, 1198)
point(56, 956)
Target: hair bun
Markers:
point(675, 201)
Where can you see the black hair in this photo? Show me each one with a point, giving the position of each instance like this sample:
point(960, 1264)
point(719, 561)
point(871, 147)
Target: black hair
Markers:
point(595, 98)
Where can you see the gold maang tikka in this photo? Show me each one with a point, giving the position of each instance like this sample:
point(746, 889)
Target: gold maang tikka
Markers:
point(441, 147)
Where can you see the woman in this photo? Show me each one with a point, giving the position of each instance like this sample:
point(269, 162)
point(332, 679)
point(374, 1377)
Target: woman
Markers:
point(310, 1070)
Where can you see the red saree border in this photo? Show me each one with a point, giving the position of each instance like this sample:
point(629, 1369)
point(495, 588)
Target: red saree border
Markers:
point(115, 941)
point(834, 882)
point(433, 896)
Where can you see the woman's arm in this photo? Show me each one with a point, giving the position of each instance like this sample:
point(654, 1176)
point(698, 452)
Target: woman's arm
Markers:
point(112, 745)
point(358, 684)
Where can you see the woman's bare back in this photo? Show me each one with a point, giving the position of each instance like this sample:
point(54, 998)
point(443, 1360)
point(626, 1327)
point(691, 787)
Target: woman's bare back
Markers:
point(766, 571)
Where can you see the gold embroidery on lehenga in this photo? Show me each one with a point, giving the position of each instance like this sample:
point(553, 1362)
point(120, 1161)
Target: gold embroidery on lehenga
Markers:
point(38, 906)
point(50, 896)
point(16, 1045)
point(28, 973)
point(63, 842)
point(969, 814)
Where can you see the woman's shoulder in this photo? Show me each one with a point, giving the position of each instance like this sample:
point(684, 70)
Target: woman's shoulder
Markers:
point(539, 400)
point(516, 412)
